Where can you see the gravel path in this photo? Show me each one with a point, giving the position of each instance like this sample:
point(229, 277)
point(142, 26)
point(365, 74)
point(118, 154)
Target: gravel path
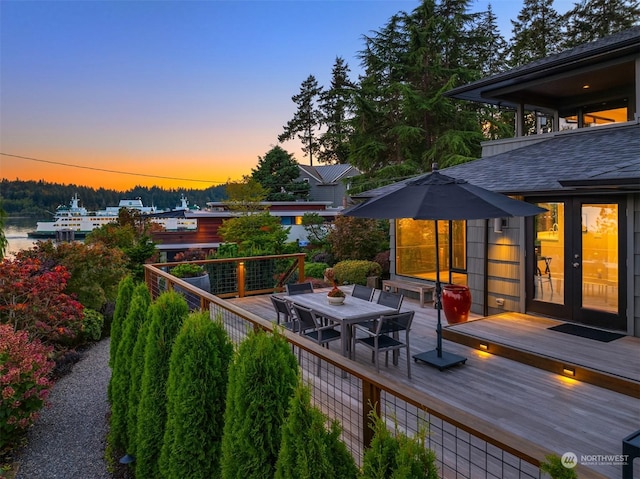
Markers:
point(68, 440)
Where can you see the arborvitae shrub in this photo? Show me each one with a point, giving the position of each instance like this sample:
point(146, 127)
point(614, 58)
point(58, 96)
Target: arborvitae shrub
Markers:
point(167, 315)
point(309, 449)
point(135, 386)
point(262, 380)
point(397, 456)
point(196, 395)
point(125, 292)
point(121, 375)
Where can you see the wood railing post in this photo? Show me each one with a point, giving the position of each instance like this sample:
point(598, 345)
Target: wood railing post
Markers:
point(370, 402)
point(300, 269)
point(241, 279)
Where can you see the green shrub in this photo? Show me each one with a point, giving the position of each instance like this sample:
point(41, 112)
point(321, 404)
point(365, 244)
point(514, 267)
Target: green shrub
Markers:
point(168, 313)
point(135, 370)
point(24, 383)
point(262, 380)
point(556, 469)
point(397, 456)
point(187, 270)
point(121, 374)
point(356, 271)
point(315, 270)
point(308, 448)
point(123, 300)
point(357, 238)
point(91, 325)
point(196, 395)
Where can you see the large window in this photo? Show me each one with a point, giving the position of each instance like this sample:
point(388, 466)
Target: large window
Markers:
point(416, 250)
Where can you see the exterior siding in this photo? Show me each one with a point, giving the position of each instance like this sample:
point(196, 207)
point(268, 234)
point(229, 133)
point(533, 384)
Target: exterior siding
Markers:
point(634, 266)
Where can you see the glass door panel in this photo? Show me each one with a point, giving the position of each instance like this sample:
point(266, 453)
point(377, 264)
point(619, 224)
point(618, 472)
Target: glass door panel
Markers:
point(599, 257)
point(549, 275)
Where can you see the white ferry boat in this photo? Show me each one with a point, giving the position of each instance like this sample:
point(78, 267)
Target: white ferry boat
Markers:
point(79, 221)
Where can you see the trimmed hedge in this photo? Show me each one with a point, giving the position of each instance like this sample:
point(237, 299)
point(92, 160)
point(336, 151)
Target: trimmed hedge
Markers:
point(168, 313)
point(196, 395)
point(356, 271)
point(262, 380)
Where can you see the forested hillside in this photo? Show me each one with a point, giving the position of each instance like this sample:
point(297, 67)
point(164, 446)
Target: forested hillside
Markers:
point(39, 198)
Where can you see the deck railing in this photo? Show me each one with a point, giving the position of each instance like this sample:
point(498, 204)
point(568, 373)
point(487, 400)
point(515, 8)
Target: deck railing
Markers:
point(466, 446)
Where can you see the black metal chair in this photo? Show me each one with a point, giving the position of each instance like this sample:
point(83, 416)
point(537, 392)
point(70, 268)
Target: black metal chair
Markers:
point(284, 313)
point(393, 300)
point(299, 288)
point(362, 292)
point(310, 326)
point(384, 337)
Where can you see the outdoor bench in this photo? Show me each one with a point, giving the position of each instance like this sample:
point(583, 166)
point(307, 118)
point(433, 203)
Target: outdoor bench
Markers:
point(393, 285)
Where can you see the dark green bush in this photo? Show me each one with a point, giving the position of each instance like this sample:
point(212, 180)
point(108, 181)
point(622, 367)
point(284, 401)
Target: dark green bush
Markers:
point(196, 395)
point(315, 270)
point(262, 380)
point(136, 369)
point(168, 313)
point(308, 449)
point(123, 300)
point(91, 326)
point(397, 456)
point(187, 270)
point(356, 271)
point(121, 374)
point(556, 469)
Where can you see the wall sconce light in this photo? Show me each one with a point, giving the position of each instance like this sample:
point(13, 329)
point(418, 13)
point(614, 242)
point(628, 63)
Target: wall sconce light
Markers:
point(499, 224)
point(484, 346)
point(568, 371)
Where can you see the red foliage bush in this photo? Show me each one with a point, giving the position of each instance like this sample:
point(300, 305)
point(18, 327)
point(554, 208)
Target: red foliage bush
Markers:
point(24, 383)
point(32, 299)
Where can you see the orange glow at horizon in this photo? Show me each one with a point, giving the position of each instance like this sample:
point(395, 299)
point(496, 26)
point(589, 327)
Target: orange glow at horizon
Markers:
point(176, 170)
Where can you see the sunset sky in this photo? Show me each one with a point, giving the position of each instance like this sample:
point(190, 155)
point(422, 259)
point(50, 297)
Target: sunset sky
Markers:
point(186, 90)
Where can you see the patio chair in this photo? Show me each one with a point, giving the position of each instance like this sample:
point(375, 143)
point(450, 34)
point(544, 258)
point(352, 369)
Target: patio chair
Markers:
point(393, 300)
point(362, 292)
point(384, 337)
point(299, 288)
point(310, 326)
point(284, 311)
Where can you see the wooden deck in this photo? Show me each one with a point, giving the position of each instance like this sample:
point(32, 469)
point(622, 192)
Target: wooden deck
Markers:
point(552, 410)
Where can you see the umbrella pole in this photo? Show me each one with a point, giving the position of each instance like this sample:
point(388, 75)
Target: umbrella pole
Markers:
point(439, 358)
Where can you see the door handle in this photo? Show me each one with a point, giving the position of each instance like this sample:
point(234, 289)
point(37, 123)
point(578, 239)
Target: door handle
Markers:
point(576, 265)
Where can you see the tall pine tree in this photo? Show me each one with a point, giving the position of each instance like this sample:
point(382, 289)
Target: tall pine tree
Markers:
point(590, 20)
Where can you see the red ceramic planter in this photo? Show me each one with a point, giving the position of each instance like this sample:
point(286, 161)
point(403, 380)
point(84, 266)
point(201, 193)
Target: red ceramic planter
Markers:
point(456, 303)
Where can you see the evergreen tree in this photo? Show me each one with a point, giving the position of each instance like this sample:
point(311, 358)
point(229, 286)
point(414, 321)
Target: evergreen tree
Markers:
point(121, 375)
point(308, 449)
point(307, 118)
point(123, 301)
point(196, 395)
point(277, 172)
point(336, 112)
point(591, 20)
point(262, 380)
point(168, 313)
point(536, 34)
point(136, 369)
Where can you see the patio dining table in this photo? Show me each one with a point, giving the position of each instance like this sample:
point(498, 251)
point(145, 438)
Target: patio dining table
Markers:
point(352, 311)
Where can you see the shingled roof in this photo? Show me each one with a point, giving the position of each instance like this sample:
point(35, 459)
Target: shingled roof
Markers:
point(603, 157)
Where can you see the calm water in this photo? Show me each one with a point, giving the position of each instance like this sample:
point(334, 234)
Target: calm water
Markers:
point(15, 230)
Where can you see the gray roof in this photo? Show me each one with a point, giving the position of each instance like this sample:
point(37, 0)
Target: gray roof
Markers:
point(607, 157)
point(330, 173)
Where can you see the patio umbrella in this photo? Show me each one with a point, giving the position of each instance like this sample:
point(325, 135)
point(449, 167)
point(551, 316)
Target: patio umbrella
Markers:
point(435, 196)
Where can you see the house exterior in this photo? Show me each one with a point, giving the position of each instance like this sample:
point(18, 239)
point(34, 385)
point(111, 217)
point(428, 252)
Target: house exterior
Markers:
point(327, 183)
point(579, 261)
point(205, 235)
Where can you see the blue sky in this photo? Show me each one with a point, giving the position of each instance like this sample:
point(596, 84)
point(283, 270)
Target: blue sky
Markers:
point(191, 89)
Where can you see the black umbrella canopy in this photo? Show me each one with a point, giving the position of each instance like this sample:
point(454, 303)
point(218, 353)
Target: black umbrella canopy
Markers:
point(440, 197)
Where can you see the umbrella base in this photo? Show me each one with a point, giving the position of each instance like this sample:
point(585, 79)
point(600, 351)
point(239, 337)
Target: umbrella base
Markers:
point(443, 361)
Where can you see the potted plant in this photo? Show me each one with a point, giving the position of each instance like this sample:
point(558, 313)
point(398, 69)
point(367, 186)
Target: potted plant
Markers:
point(336, 295)
point(194, 274)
